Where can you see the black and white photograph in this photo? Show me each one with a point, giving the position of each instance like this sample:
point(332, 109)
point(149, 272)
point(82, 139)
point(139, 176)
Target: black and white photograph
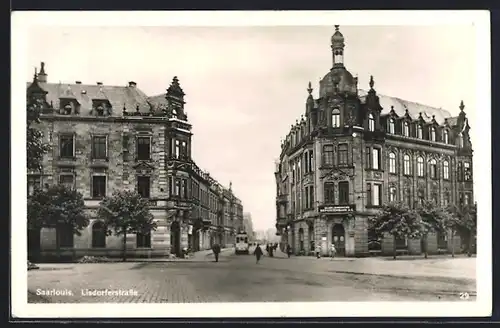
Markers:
point(264, 164)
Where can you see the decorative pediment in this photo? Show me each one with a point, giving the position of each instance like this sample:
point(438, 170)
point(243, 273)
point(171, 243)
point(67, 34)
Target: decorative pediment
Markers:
point(144, 168)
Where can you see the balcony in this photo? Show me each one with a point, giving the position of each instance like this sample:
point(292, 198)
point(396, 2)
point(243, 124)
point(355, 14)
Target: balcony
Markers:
point(282, 222)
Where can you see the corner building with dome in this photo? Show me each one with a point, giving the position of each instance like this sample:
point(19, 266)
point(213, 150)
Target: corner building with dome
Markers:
point(354, 150)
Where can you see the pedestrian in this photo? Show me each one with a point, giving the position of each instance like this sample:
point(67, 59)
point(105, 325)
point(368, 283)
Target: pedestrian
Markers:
point(271, 249)
point(333, 251)
point(288, 250)
point(258, 253)
point(318, 251)
point(267, 249)
point(216, 251)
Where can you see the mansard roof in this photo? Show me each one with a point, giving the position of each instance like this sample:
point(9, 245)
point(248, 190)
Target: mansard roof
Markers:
point(414, 109)
point(118, 96)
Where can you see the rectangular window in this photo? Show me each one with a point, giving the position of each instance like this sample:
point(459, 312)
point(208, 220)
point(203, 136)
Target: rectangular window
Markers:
point(460, 172)
point(368, 157)
point(328, 155)
point(98, 186)
point(67, 180)
point(177, 149)
point(329, 193)
point(143, 186)
point(376, 159)
point(67, 146)
point(306, 198)
point(99, 147)
point(311, 161)
point(144, 148)
point(467, 172)
point(343, 154)
point(185, 188)
point(66, 236)
point(377, 195)
point(143, 240)
point(466, 198)
point(311, 197)
point(343, 192)
point(184, 152)
point(369, 194)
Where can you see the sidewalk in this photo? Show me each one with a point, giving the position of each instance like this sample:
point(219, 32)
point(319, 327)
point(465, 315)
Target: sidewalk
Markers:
point(409, 266)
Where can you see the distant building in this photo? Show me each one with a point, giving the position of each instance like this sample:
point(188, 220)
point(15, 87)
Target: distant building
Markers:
point(106, 138)
point(248, 225)
point(354, 150)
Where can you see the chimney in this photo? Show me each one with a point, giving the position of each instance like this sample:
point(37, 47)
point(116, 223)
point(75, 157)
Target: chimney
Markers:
point(78, 82)
point(99, 83)
point(132, 84)
point(42, 76)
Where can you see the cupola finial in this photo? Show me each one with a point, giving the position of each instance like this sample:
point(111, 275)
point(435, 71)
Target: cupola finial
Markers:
point(372, 83)
point(309, 88)
point(462, 106)
point(336, 27)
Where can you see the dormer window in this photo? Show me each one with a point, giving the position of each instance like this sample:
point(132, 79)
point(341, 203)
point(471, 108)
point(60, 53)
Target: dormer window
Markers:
point(67, 110)
point(100, 110)
point(391, 126)
point(336, 118)
point(445, 136)
point(419, 131)
point(406, 129)
point(433, 134)
point(371, 123)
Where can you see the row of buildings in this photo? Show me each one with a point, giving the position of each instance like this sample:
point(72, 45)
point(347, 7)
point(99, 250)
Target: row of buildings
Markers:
point(354, 150)
point(105, 138)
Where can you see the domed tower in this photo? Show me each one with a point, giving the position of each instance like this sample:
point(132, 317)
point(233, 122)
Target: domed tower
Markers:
point(338, 48)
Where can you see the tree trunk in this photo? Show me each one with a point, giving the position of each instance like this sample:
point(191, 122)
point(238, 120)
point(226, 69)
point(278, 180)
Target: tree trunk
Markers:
point(58, 248)
point(124, 246)
point(426, 254)
point(394, 247)
point(469, 251)
point(452, 243)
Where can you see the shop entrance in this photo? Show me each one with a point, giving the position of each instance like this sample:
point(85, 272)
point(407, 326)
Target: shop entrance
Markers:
point(338, 239)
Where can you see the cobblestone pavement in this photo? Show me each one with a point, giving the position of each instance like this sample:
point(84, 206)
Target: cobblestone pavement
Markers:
point(237, 278)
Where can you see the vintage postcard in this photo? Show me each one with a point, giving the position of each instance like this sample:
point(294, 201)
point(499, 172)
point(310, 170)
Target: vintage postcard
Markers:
point(251, 164)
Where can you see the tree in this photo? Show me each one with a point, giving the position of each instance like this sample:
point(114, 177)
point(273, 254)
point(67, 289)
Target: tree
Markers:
point(35, 147)
point(58, 207)
point(434, 219)
point(397, 220)
point(126, 212)
point(464, 220)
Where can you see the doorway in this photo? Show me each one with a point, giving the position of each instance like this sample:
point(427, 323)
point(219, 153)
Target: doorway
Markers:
point(338, 239)
point(175, 238)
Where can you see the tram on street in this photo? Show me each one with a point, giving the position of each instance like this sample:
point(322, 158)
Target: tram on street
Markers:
point(241, 243)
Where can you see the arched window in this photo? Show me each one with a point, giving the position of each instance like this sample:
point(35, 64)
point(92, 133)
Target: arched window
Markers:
point(66, 236)
point(446, 136)
point(433, 134)
point(371, 123)
point(446, 170)
point(419, 131)
point(392, 194)
point(406, 165)
point(391, 126)
point(392, 163)
point(336, 118)
point(98, 235)
point(433, 168)
point(460, 140)
point(406, 129)
point(420, 166)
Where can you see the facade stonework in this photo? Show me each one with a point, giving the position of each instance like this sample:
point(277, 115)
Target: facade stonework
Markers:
point(354, 150)
point(107, 138)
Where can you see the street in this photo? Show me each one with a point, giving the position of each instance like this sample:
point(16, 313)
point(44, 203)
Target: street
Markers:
point(237, 278)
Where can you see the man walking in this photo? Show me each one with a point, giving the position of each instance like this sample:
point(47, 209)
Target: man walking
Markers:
point(288, 250)
point(216, 251)
point(258, 253)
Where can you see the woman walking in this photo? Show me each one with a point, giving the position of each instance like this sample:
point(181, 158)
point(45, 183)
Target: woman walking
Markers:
point(258, 253)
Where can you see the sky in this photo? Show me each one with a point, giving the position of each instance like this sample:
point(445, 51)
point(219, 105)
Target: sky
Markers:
point(245, 85)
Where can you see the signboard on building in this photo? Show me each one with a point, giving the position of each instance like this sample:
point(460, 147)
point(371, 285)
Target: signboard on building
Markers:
point(337, 209)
